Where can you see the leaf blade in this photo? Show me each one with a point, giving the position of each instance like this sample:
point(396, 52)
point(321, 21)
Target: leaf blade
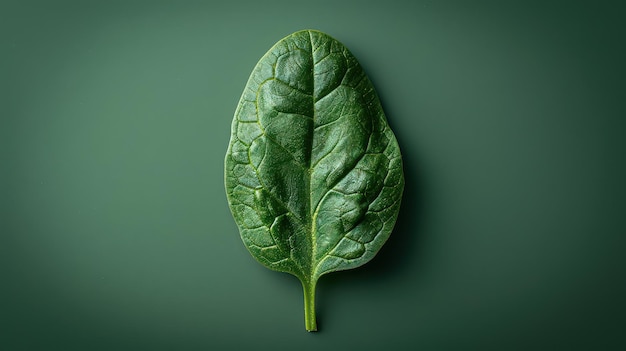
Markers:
point(313, 172)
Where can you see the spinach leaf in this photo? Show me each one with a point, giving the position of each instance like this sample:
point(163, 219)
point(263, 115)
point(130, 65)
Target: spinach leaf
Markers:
point(313, 172)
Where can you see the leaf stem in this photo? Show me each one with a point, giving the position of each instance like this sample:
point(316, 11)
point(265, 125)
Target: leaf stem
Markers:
point(309, 305)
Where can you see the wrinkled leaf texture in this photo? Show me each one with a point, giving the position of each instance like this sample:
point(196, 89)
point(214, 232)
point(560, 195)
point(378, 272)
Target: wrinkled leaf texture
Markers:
point(313, 172)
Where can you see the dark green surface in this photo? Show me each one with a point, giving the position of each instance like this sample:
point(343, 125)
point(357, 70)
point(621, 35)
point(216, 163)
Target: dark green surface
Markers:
point(116, 234)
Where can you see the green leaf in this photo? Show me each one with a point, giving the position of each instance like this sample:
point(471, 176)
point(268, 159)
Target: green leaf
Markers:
point(313, 171)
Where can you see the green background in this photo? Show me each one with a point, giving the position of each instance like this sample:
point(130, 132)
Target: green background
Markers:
point(116, 234)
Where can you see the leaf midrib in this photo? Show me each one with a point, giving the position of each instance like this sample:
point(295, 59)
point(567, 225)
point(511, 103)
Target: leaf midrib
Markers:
point(312, 212)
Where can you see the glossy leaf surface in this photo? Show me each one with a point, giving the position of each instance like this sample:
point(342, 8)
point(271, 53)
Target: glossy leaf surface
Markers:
point(313, 171)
